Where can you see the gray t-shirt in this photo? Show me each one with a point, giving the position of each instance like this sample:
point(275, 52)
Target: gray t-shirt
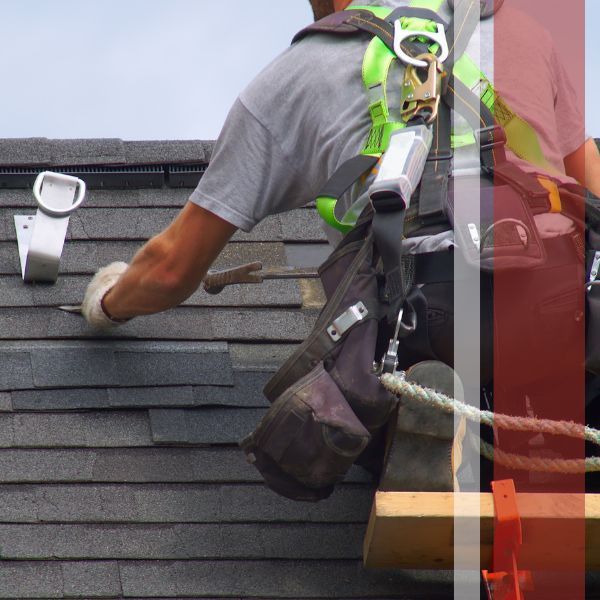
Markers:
point(306, 114)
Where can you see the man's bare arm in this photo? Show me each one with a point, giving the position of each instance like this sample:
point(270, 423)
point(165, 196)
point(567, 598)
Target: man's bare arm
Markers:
point(584, 165)
point(171, 266)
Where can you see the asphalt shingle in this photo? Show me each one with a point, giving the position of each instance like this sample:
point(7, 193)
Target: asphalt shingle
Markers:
point(31, 580)
point(91, 579)
point(16, 370)
point(203, 426)
point(71, 430)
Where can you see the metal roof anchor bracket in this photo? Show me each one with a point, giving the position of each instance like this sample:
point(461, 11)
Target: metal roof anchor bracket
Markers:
point(41, 238)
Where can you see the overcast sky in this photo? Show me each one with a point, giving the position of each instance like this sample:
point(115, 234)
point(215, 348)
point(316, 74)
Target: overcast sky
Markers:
point(152, 69)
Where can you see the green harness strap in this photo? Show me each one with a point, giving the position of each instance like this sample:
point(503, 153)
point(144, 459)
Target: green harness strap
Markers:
point(377, 62)
point(521, 137)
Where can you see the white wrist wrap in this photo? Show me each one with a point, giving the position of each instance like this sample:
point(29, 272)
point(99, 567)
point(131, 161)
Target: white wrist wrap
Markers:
point(103, 281)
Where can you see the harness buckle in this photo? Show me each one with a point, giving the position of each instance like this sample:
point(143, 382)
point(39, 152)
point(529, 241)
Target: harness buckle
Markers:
point(438, 37)
point(422, 96)
point(491, 137)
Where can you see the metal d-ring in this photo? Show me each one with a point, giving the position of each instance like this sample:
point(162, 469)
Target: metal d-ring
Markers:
point(438, 37)
point(493, 226)
point(60, 179)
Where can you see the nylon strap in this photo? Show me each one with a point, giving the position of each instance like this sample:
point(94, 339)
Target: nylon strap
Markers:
point(338, 184)
point(386, 227)
point(434, 183)
point(522, 138)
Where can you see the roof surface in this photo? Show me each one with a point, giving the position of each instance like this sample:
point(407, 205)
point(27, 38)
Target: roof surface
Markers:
point(120, 475)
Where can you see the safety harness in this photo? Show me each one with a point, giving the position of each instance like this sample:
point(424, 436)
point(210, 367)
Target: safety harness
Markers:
point(458, 82)
point(418, 36)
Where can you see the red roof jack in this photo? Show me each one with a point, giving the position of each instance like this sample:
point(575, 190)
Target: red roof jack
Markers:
point(506, 582)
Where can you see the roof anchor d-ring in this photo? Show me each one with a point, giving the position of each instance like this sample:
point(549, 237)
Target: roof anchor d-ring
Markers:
point(41, 237)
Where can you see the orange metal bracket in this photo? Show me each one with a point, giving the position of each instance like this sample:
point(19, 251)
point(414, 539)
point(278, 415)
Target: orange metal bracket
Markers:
point(506, 582)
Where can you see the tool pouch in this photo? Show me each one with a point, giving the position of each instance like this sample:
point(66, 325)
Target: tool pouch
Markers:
point(531, 283)
point(311, 434)
point(494, 226)
point(327, 400)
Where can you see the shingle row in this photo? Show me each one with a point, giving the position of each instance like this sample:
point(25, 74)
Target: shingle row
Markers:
point(60, 364)
point(207, 426)
point(141, 223)
point(107, 151)
point(247, 394)
point(70, 289)
point(134, 465)
point(175, 503)
point(75, 430)
point(206, 579)
point(22, 199)
point(258, 325)
point(180, 541)
point(88, 257)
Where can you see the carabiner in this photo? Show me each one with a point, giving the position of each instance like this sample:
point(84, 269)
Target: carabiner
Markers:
point(420, 96)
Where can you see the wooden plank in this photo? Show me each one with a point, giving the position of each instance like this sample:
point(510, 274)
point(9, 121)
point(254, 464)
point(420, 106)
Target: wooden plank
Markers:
point(416, 530)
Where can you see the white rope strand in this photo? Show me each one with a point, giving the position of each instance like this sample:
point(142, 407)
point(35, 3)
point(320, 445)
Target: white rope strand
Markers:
point(416, 393)
point(541, 465)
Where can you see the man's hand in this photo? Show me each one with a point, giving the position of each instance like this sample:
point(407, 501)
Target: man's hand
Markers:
point(168, 269)
point(92, 307)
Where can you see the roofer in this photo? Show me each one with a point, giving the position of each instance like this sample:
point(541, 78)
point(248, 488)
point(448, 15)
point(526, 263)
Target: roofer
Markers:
point(301, 118)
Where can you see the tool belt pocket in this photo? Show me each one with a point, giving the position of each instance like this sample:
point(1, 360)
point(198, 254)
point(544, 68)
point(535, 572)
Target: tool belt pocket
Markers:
point(494, 226)
point(310, 433)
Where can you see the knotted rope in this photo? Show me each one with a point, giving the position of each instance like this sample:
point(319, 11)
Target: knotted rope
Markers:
point(417, 394)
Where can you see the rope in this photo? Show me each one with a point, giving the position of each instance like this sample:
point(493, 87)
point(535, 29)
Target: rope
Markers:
point(418, 394)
